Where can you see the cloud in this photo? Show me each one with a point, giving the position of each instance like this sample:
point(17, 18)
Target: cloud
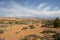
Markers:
point(56, 8)
point(47, 8)
point(16, 10)
point(40, 6)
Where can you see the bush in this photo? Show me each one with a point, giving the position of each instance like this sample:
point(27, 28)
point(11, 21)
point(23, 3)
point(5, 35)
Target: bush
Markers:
point(1, 31)
point(56, 36)
point(10, 22)
point(47, 23)
point(16, 22)
point(2, 38)
point(31, 37)
point(56, 22)
point(49, 31)
point(46, 37)
point(32, 26)
point(24, 28)
point(3, 25)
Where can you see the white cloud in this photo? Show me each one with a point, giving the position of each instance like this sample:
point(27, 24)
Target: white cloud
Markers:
point(56, 8)
point(40, 6)
point(16, 10)
point(47, 8)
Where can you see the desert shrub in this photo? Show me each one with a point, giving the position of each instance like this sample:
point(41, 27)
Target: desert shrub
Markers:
point(1, 22)
point(31, 37)
point(31, 26)
point(19, 22)
point(47, 23)
point(56, 36)
point(5, 22)
point(1, 31)
point(3, 25)
point(2, 38)
point(56, 22)
point(10, 22)
point(16, 22)
point(22, 22)
point(47, 37)
point(24, 28)
point(43, 26)
point(5, 30)
point(49, 31)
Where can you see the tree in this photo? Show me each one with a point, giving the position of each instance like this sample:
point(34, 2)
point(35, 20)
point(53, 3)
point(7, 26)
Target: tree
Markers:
point(56, 22)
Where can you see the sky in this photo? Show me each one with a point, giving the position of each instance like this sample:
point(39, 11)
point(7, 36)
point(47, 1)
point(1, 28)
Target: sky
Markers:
point(30, 8)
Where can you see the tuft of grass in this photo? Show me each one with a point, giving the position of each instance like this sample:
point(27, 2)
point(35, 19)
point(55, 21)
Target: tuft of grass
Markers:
point(31, 26)
point(24, 28)
point(31, 37)
point(49, 31)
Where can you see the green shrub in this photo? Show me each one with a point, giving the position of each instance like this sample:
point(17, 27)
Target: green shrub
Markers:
point(56, 22)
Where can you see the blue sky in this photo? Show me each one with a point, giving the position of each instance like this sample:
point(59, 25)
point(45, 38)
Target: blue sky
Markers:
point(30, 8)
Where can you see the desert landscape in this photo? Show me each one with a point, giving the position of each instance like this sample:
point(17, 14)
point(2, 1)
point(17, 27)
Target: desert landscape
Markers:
point(27, 29)
point(29, 19)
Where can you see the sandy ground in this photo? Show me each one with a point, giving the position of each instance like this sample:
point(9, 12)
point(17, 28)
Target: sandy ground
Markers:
point(14, 32)
point(10, 34)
